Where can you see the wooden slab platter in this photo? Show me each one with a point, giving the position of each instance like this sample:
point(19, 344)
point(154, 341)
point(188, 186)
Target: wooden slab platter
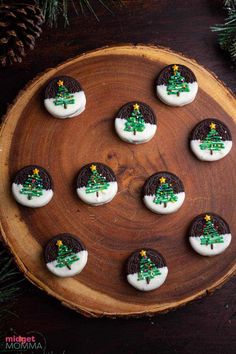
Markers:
point(111, 77)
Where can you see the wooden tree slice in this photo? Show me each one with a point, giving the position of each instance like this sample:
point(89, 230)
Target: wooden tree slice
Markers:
point(111, 77)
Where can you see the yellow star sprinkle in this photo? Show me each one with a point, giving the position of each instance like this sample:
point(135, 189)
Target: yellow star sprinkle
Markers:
point(60, 83)
point(93, 168)
point(143, 253)
point(59, 243)
point(162, 180)
point(136, 106)
point(35, 171)
point(212, 125)
point(175, 67)
point(207, 217)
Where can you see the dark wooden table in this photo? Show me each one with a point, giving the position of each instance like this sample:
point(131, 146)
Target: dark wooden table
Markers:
point(206, 326)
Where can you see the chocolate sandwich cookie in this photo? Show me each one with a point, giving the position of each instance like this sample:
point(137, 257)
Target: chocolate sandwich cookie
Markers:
point(136, 123)
point(96, 184)
point(64, 97)
point(209, 234)
point(176, 85)
point(210, 140)
point(163, 193)
point(32, 186)
point(65, 255)
point(146, 269)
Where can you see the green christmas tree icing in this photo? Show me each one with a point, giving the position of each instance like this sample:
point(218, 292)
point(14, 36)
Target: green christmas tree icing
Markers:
point(66, 256)
point(63, 97)
point(96, 182)
point(33, 186)
point(164, 193)
point(213, 140)
point(177, 83)
point(135, 123)
point(147, 269)
point(210, 234)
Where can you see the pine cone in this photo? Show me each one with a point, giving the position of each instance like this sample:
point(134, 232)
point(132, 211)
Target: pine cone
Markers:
point(20, 25)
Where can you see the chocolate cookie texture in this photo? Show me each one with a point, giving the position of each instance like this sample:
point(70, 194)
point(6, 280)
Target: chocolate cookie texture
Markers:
point(163, 193)
point(211, 140)
point(146, 270)
point(96, 184)
point(65, 255)
point(176, 85)
point(136, 123)
point(32, 186)
point(64, 97)
point(209, 234)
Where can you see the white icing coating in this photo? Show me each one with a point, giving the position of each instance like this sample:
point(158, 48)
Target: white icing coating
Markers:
point(159, 208)
point(174, 100)
point(76, 267)
point(142, 284)
point(205, 155)
point(104, 196)
point(72, 110)
point(139, 137)
point(35, 202)
point(205, 250)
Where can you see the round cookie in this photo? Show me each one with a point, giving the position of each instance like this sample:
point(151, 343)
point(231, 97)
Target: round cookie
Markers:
point(96, 184)
point(64, 97)
point(136, 123)
point(163, 193)
point(176, 85)
point(209, 234)
point(32, 186)
point(211, 140)
point(65, 255)
point(146, 270)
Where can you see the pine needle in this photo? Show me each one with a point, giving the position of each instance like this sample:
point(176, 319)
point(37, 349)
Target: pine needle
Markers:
point(227, 31)
point(54, 9)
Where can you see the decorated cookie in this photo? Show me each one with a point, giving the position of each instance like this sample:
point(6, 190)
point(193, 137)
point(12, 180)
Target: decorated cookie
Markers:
point(136, 123)
point(146, 270)
point(64, 97)
point(163, 193)
point(176, 85)
point(96, 184)
point(209, 234)
point(32, 186)
point(211, 140)
point(65, 255)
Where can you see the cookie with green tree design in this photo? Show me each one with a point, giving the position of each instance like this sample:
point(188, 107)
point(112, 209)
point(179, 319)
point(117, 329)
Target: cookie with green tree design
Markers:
point(32, 186)
point(176, 85)
point(96, 184)
point(210, 140)
point(209, 234)
point(65, 255)
point(146, 269)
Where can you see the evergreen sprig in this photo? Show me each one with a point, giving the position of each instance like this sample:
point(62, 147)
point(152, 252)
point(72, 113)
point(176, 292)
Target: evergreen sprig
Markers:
point(227, 31)
point(53, 9)
point(10, 280)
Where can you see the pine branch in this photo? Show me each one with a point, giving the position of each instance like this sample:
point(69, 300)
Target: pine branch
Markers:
point(10, 282)
point(54, 9)
point(227, 31)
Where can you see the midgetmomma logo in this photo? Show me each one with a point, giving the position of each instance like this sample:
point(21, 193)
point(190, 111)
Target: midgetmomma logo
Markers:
point(22, 343)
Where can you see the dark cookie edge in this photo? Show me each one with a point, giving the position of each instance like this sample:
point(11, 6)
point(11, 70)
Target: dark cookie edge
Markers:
point(45, 175)
point(133, 262)
point(167, 71)
point(201, 129)
point(149, 115)
point(85, 173)
point(51, 249)
point(196, 226)
point(152, 183)
point(71, 84)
